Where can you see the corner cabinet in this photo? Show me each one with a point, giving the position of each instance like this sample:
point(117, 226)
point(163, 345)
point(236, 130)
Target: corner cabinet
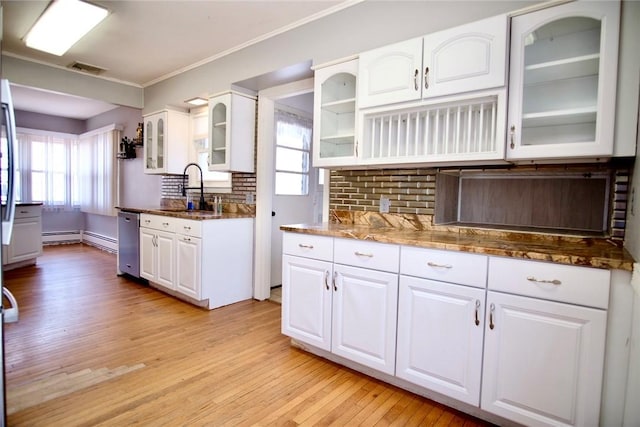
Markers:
point(562, 88)
point(232, 124)
point(166, 134)
point(335, 141)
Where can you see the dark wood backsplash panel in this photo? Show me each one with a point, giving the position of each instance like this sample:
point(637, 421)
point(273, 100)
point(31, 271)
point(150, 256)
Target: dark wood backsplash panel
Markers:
point(554, 202)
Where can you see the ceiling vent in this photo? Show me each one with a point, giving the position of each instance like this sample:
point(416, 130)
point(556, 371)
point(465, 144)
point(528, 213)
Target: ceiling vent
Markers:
point(86, 68)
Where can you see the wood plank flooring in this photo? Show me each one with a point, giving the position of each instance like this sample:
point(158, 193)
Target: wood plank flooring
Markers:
point(94, 349)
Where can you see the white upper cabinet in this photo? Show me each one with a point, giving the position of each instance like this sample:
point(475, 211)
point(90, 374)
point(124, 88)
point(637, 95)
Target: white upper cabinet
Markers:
point(165, 142)
point(334, 111)
point(466, 58)
point(390, 74)
point(232, 124)
point(562, 86)
point(461, 59)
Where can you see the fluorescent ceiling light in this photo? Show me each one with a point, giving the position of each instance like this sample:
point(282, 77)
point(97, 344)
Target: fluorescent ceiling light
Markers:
point(197, 101)
point(63, 24)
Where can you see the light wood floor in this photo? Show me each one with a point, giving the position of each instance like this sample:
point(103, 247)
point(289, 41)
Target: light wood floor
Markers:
point(93, 349)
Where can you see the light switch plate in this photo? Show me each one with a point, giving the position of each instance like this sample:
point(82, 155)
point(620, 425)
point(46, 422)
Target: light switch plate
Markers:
point(384, 204)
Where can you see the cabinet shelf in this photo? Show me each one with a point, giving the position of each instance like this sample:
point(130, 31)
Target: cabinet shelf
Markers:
point(219, 124)
point(218, 148)
point(560, 117)
point(339, 139)
point(340, 106)
point(578, 66)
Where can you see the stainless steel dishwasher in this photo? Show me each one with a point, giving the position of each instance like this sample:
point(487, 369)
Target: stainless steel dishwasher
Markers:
point(129, 243)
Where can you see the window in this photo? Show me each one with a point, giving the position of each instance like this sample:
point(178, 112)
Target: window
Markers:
point(97, 172)
point(293, 145)
point(45, 168)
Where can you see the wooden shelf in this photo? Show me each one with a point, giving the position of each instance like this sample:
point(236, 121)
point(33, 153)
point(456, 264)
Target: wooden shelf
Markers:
point(560, 117)
point(579, 66)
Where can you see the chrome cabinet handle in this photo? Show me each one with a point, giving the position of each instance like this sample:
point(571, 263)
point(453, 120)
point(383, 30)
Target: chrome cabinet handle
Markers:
point(426, 78)
point(166, 224)
point(415, 79)
point(326, 279)
point(435, 265)
point(512, 132)
point(492, 308)
point(187, 239)
point(305, 246)
point(553, 282)
point(186, 227)
point(477, 310)
point(335, 277)
point(357, 253)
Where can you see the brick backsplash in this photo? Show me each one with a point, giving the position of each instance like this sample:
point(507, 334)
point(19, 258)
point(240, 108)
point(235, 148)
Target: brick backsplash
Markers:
point(241, 185)
point(412, 191)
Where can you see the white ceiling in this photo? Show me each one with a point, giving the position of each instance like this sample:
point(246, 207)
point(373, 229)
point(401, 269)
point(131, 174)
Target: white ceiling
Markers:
point(145, 41)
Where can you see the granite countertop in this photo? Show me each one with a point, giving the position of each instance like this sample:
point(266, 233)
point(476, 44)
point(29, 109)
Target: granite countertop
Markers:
point(582, 251)
point(185, 214)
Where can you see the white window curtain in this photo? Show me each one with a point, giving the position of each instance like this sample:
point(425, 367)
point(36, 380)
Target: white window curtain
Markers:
point(293, 146)
point(46, 168)
point(97, 171)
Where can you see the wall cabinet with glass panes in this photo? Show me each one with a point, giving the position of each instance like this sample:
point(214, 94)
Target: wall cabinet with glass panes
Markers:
point(232, 124)
point(165, 142)
point(334, 111)
point(199, 153)
point(562, 88)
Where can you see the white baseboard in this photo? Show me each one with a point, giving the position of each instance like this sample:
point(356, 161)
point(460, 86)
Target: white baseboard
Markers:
point(61, 237)
point(106, 243)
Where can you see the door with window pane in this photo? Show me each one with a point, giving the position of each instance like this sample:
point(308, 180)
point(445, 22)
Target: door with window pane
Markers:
point(296, 188)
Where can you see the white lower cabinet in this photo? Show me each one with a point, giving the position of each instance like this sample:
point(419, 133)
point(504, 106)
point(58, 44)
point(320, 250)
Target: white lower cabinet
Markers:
point(208, 261)
point(306, 300)
point(346, 309)
point(188, 260)
point(364, 316)
point(543, 361)
point(26, 239)
point(156, 256)
point(440, 333)
point(524, 340)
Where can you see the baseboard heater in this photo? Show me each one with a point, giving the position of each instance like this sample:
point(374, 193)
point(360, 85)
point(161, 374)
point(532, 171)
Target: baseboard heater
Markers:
point(105, 243)
point(61, 237)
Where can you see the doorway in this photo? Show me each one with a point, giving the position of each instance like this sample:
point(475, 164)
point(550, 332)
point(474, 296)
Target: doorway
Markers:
point(297, 195)
point(268, 237)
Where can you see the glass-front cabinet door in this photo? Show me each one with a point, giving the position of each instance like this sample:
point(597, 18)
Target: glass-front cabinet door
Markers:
point(218, 147)
point(334, 134)
point(160, 141)
point(563, 81)
point(148, 145)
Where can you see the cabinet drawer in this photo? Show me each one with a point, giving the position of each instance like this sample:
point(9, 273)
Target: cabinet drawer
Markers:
point(158, 222)
point(188, 227)
point(554, 282)
point(445, 266)
point(308, 246)
point(27, 211)
point(376, 256)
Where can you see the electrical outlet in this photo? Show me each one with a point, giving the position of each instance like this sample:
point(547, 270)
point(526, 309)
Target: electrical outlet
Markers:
point(248, 198)
point(384, 204)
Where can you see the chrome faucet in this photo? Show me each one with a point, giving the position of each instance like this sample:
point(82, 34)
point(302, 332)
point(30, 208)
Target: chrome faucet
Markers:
point(201, 204)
